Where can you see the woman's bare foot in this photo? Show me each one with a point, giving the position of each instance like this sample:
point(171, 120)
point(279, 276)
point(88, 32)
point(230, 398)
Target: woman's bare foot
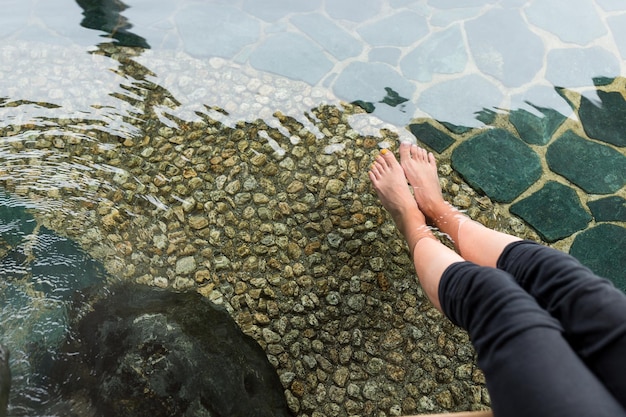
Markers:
point(420, 168)
point(389, 181)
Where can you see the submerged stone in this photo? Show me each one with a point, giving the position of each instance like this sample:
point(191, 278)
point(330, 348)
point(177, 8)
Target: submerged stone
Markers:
point(596, 168)
point(441, 53)
point(431, 136)
point(534, 129)
point(458, 129)
point(142, 351)
point(400, 29)
point(324, 31)
point(556, 17)
point(609, 209)
point(617, 24)
point(602, 250)
point(273, 10)
point(372, 83)
point(554, 211)
point(503, 46)
point(498, 163)
point(487, 116)
point(590, 62)
point(292, 56)
point(207, 29)
point(353, 10)
point(605, 121)
point(456, 101)
point(387, 55)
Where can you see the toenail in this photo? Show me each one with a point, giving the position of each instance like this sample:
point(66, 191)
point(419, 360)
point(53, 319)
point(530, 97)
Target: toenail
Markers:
point(384, 151)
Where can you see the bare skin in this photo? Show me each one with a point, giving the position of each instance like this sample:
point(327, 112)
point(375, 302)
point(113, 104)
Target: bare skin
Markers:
point(474, 242)
point(430, 257)
point(388, 179)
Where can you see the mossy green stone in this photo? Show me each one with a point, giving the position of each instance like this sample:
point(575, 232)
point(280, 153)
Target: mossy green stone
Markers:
point(533, 129)
point(596, 168)
point(497, 163)
point(602, 250)
point(431, 136)
point(609, 209)
point(554, 211)
point(458, 129)
point(607, 121)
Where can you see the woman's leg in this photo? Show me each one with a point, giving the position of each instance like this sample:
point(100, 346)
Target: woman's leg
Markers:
point(430, 257)
point(475, 242)
point(530, 369)
point(590, 309)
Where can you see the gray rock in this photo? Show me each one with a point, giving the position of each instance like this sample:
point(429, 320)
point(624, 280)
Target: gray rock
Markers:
point(185, 265)
point(153, 352)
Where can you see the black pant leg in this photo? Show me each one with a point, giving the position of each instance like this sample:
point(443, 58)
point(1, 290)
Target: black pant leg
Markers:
point(530, 369)
point(590, 309)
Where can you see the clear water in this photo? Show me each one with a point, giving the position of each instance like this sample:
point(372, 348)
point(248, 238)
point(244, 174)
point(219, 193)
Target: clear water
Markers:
point(78, 86)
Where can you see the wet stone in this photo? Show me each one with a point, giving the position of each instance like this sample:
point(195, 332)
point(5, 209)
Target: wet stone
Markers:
point(608, 209)
point(204, 26)
point(185, 265)
point(514, 56)
point(387, 55)
point(431, 136)
point(456, 101)
point(602, 250)
point(441, 53)
point(497, 163)
point(542, 14)
point(186, 352)
point(273, 10)
point(368, 82)
point(598, 169)
point(354, 10)
point(554, 211)
point(589, 63)
point(300, 59)
point(333, 38)
point(605, 121)
point(534, 129)
point(618, 28)
point(400, 29)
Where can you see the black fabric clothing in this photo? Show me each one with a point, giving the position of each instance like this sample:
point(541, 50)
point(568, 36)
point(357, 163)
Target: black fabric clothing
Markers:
point(550, 335)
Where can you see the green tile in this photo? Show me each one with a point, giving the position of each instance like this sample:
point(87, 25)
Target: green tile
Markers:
point(554, 211)
point(497, 163)
point(596, 168)
point(605, 121)
point(458, 129)
point(608, 209)
point(602, 250)
point(431, 136)
point(534, 129)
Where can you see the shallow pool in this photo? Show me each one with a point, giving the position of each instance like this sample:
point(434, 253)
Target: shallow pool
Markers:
point(211, 146)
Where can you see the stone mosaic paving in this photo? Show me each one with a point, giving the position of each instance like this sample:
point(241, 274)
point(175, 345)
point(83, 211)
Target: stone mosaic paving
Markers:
point(442, 73)
point(407, 61)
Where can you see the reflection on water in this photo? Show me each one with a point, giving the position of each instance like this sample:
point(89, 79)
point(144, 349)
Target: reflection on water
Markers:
point(250, 188)
point(106, 15)
point(252, 212)
point(40, 273)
